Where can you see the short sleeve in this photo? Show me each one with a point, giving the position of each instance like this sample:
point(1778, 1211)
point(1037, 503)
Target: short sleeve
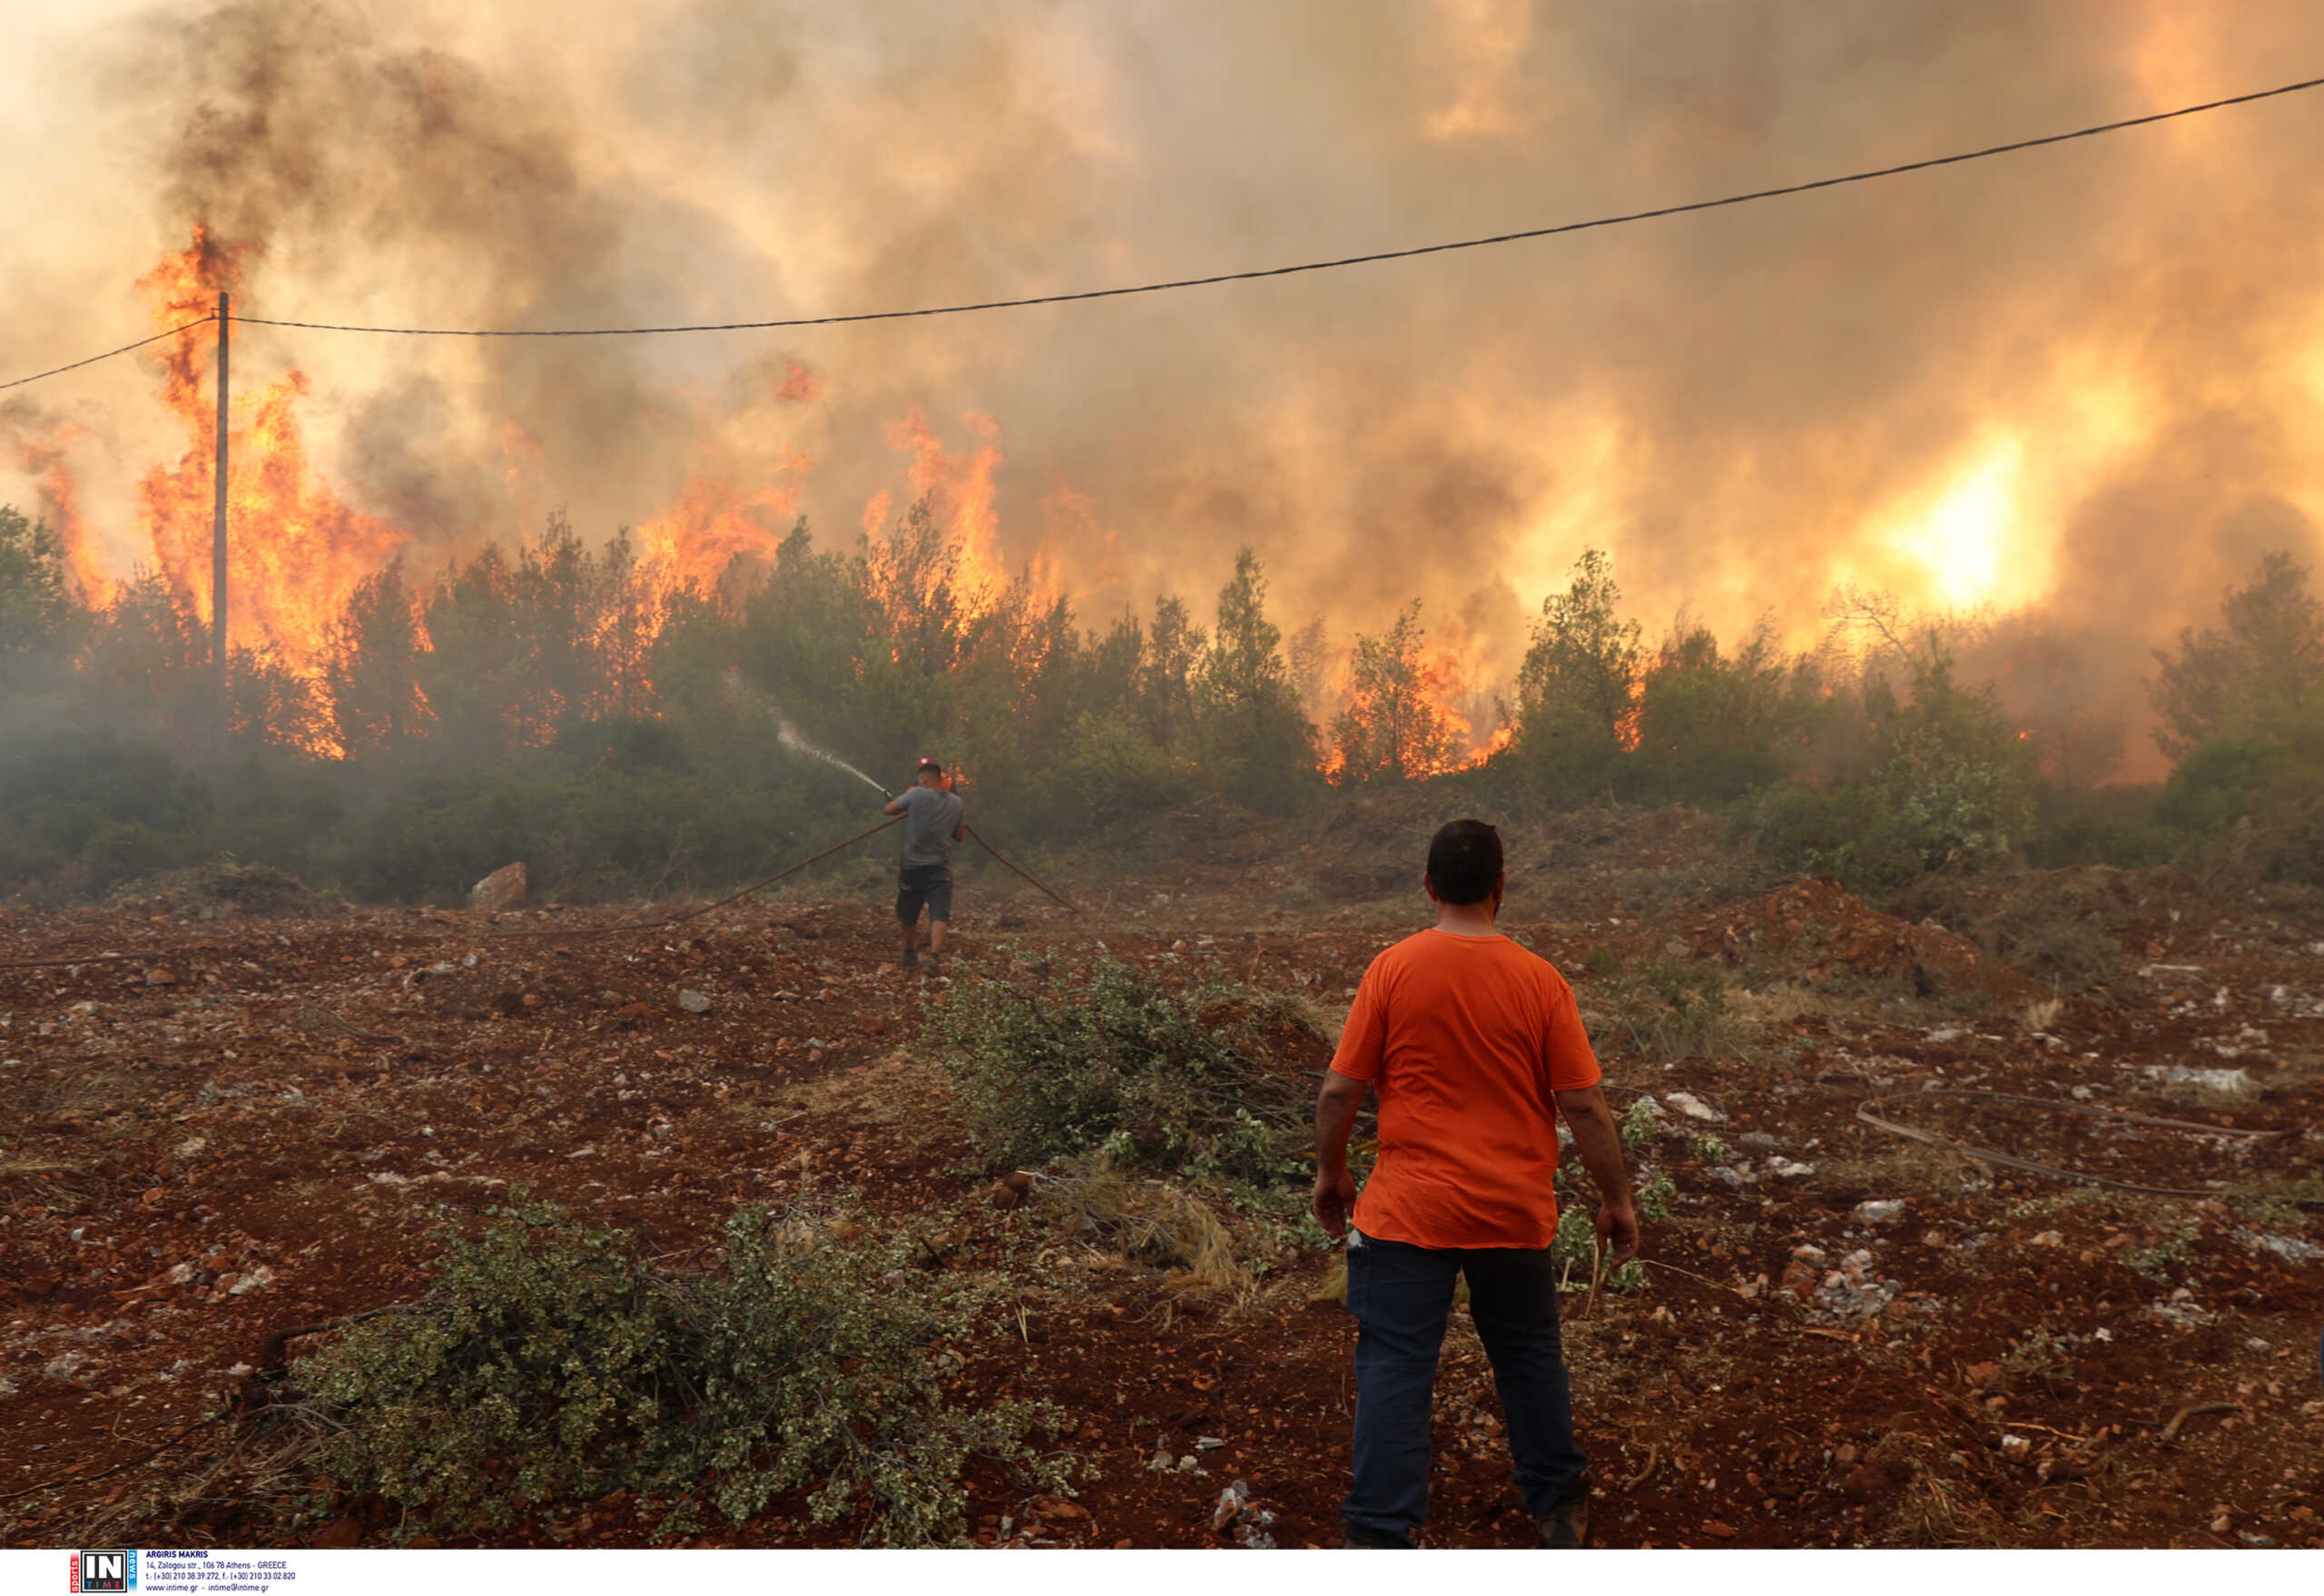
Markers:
point(1362, 1040)
point(1570, 1063)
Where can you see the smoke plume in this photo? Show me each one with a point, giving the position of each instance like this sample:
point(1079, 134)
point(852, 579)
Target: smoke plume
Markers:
point(2080, 384)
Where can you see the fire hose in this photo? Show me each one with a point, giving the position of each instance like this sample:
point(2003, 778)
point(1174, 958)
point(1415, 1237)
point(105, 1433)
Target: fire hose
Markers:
point(759, 885)
point(988, 848)
point(675, 920)
point(2007, 1160)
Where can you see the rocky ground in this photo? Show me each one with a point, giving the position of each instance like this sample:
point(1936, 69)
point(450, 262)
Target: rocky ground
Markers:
point(227, 1120)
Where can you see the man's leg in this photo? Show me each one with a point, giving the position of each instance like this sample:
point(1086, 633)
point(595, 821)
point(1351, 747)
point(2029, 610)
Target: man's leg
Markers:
point(908, 901)
point(940, 918)
point(1400, 1297)
point(1514, 1298)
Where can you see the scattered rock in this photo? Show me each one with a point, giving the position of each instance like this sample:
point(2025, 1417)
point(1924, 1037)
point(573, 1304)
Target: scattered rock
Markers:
point(1879, 1210)
point(693, 1003)
point(504, 888)
point(1231, 1503)
point(2283, 1246)
point(2016, 1448)
point(1853, 1291)
point(1694, 1107)
point(2237, 1081)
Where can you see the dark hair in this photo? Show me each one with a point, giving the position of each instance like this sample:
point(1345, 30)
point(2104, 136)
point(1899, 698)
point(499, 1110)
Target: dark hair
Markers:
point(930, 767)
point(1465, 861)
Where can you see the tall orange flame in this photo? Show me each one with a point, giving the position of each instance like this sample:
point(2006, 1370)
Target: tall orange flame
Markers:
point(298, 550)
point(295, 550)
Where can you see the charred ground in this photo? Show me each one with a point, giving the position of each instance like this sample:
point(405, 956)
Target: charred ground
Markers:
point(250, 1122)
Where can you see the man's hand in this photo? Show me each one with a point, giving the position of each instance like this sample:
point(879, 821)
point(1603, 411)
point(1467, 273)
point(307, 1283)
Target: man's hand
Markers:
point(1617, 1231)
point(1335, 1196)
point(1589, 1119)
point(1335, 1107)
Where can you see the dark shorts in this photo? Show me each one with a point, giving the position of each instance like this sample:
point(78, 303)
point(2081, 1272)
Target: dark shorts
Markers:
point(924, 884)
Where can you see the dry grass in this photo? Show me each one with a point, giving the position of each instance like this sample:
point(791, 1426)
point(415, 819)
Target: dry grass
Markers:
point(2041, 1014)
point(1150, 1221)
point(1905, 1168)
point(19, 1177)
point(1780, 1003)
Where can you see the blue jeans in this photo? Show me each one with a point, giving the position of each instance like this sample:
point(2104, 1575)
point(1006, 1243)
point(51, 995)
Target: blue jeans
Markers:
point(1401, 1297)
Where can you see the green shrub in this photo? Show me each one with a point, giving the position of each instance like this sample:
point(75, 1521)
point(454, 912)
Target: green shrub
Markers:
point(1655, 1197)
point(550, 1367)
point(1642, 1124)
point(1574, 1252)
point(1853, 835)
point(1197, 1082)
point(1667, 1008)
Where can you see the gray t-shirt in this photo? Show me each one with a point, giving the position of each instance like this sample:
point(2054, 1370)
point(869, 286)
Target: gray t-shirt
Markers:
point(931, 817)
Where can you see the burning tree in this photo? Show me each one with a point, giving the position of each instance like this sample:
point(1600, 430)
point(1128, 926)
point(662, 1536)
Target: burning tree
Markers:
point(1393, 728)
point(36, 602)
point(1258, 740)
point(1576, 690)
point(2256, 676)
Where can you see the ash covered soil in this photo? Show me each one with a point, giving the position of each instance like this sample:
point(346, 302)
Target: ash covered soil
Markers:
point(259, 1118)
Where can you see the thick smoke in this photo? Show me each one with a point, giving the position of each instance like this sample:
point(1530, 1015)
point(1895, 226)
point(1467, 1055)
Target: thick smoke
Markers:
point(2081, 381)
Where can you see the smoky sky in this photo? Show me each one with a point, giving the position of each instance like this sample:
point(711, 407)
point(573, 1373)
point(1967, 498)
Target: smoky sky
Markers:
point(2081, 382)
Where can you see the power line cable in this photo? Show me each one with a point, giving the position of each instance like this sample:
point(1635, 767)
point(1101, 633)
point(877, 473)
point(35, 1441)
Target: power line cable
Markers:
point(1250, 276)
point(1253, 275)
point(109, 354)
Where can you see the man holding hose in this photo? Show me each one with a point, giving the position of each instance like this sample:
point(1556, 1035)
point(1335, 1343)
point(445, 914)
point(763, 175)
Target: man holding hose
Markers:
point(935, 818)
point(1476, 1048)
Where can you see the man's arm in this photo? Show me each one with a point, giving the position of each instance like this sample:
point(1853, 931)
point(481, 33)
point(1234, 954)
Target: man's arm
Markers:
point(1335, 1108)
point(1600, 1146)
point(895, 806)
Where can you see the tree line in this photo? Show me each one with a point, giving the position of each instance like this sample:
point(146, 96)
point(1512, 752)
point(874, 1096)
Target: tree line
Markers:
point(571, 704)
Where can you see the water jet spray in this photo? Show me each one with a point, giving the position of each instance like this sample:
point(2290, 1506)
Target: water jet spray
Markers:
point(791, 737)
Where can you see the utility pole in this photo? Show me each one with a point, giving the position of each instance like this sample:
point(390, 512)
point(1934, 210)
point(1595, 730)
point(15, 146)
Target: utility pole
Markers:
point(218, 542)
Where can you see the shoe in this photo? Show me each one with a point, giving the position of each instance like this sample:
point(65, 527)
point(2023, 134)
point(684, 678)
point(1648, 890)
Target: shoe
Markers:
point(912, 957)
point(1567, 1525)
point(1358, 1537)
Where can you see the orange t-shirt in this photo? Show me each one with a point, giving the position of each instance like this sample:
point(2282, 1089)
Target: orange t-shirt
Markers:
point(1464, 1038)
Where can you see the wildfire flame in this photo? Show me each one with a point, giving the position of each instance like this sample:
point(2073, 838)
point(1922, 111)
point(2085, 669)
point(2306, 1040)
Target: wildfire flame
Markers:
point(297, 550)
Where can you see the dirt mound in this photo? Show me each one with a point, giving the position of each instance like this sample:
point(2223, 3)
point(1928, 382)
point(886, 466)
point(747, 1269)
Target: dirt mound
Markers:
point(1825, 933)
point(1373, 843)
point(219, 892)
point(2075, 930)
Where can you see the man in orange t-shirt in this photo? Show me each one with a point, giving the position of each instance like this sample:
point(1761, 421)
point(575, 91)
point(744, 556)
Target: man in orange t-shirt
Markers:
point(1475, 1048)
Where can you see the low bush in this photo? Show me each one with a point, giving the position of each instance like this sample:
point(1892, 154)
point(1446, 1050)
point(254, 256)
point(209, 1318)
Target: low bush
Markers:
point(549, 1366)
point(1853, 835)
point(1207, 1082)
point(1667, 1008)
